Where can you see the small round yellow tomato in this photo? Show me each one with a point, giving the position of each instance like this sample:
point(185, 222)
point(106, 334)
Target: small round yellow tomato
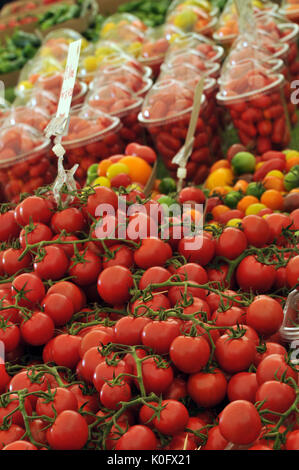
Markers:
point(276, 173)
point(90, 63)
point(234, 223)
point(254, 209)
point(102, 181)
point(117, 169)
point(291, 154)
point(220, 177)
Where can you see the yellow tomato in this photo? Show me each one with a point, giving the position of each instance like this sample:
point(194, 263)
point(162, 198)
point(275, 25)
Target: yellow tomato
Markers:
point(254, 209)
point(90, 63)
point(117, 169)
point(220, 177)
point(234, 223)
point(291, 154)
point(276, 173)
point(101, 181)
point(259, 165)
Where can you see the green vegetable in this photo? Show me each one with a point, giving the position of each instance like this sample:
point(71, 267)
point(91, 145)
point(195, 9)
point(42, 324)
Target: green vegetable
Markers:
point(167, 186)
point(255, 189)
point(151, 12)
point(232, 198)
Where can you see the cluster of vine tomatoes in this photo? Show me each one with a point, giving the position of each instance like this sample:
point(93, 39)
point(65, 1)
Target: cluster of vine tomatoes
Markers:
point(144, 344)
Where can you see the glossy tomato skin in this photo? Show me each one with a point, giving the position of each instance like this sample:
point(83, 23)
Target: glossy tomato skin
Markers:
point(270, 348)
point(114, 284)
point(86, 271)
point(292, 272)
point(59, 308)
point(242, 386)
point(138, 437)
point(71, 291)
point(111, 397)
point(201, 255)
point(71, 220)
point(265, 315)
point(20, 445)
point(12, 434)
point(273, 367)
point(69, 431)
point(189, 354)
point(10, 261)
point(155, 379)
point(128, 330)
point(234, 354)
point(65, 350)
point(39, 233)
point(159, 335)
point(123, 256)
point(231, 243)
point(230, 317)
point(63, 399)
point(152, 252)
point(278, 222)
point(173, 418)
point(154, 275)
point(207, 389)
point(38, 330)
point(53, 265)
point(292, 442)
point(256, 230)
point(33, 208)
point(8, 226)
point(215, 440)
point(104, 372)
point(240, 422)
point(101, 196)
point(30, 288)
point(277, 397)
point(255, 276)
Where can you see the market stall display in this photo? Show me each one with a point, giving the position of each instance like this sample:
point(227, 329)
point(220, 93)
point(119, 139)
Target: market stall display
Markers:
point(149, 275)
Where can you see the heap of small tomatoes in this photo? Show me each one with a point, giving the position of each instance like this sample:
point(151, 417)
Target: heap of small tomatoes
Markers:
point(144, 343)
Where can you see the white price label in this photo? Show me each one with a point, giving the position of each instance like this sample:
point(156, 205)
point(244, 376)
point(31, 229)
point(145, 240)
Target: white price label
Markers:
point(69, 79)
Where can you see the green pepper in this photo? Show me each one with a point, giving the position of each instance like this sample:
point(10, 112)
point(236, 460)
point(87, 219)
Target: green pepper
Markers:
point(92, 173)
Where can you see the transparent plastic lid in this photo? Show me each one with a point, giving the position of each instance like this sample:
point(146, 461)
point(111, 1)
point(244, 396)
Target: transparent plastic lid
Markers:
point(35, 117)
point(247, 80)
point(156, 41)
point(18, 142)
point(124, 74)
point(125, 36)
point(194, 58)
point(87, 123)
point(196, 42)
point(118, 21)
point(228, 27)
point(114, 98)
point(187, 74)
point(192, 18)
point(167, 100)
point(33, 69)
point(52, 83)
point(44, 100)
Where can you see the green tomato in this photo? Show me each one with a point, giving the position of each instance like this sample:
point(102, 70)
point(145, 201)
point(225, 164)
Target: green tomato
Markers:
point(291, 180)
point(243, 162)
point(232, 198)
point(167, 185)
point(255, 189)
point(166, 200)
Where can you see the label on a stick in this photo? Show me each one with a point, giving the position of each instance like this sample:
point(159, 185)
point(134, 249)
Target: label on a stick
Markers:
point(69, 79)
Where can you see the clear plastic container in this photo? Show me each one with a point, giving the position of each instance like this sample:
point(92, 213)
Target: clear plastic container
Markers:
point(124, 74)
point(194, 58)
point(155, 46)
point(197, 42)
point(41, 99)
point(33, 117)
point(118, 20)
point(89, 64)
point(289, 330)
point(128, 37)
point(257, 106)
point(228, 29)
point(166, 115)
point(117, 100)
point(25, 161)
point(56, 43)
point(92, 136)
point(191, 18)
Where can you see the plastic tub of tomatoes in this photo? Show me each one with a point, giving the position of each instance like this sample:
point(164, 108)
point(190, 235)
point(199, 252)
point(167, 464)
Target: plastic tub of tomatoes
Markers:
point(257, 106)
point(34, 117)
point(166, 115)
point(192, 18)
point(25, 161)
point(124, 74)
point(199, 43)
point(195, 58)
point(119, 101)
point(92, 136)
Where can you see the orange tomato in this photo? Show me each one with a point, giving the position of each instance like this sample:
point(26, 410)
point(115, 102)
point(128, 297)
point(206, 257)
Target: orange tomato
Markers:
point(220, 190)
point(246, 202)
point(103, 167)
point(292, 162)
point(140, 170)
point(273, 182)
point(273, 199)
point(220, 164)
point(241, 185)
point(219, 210)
